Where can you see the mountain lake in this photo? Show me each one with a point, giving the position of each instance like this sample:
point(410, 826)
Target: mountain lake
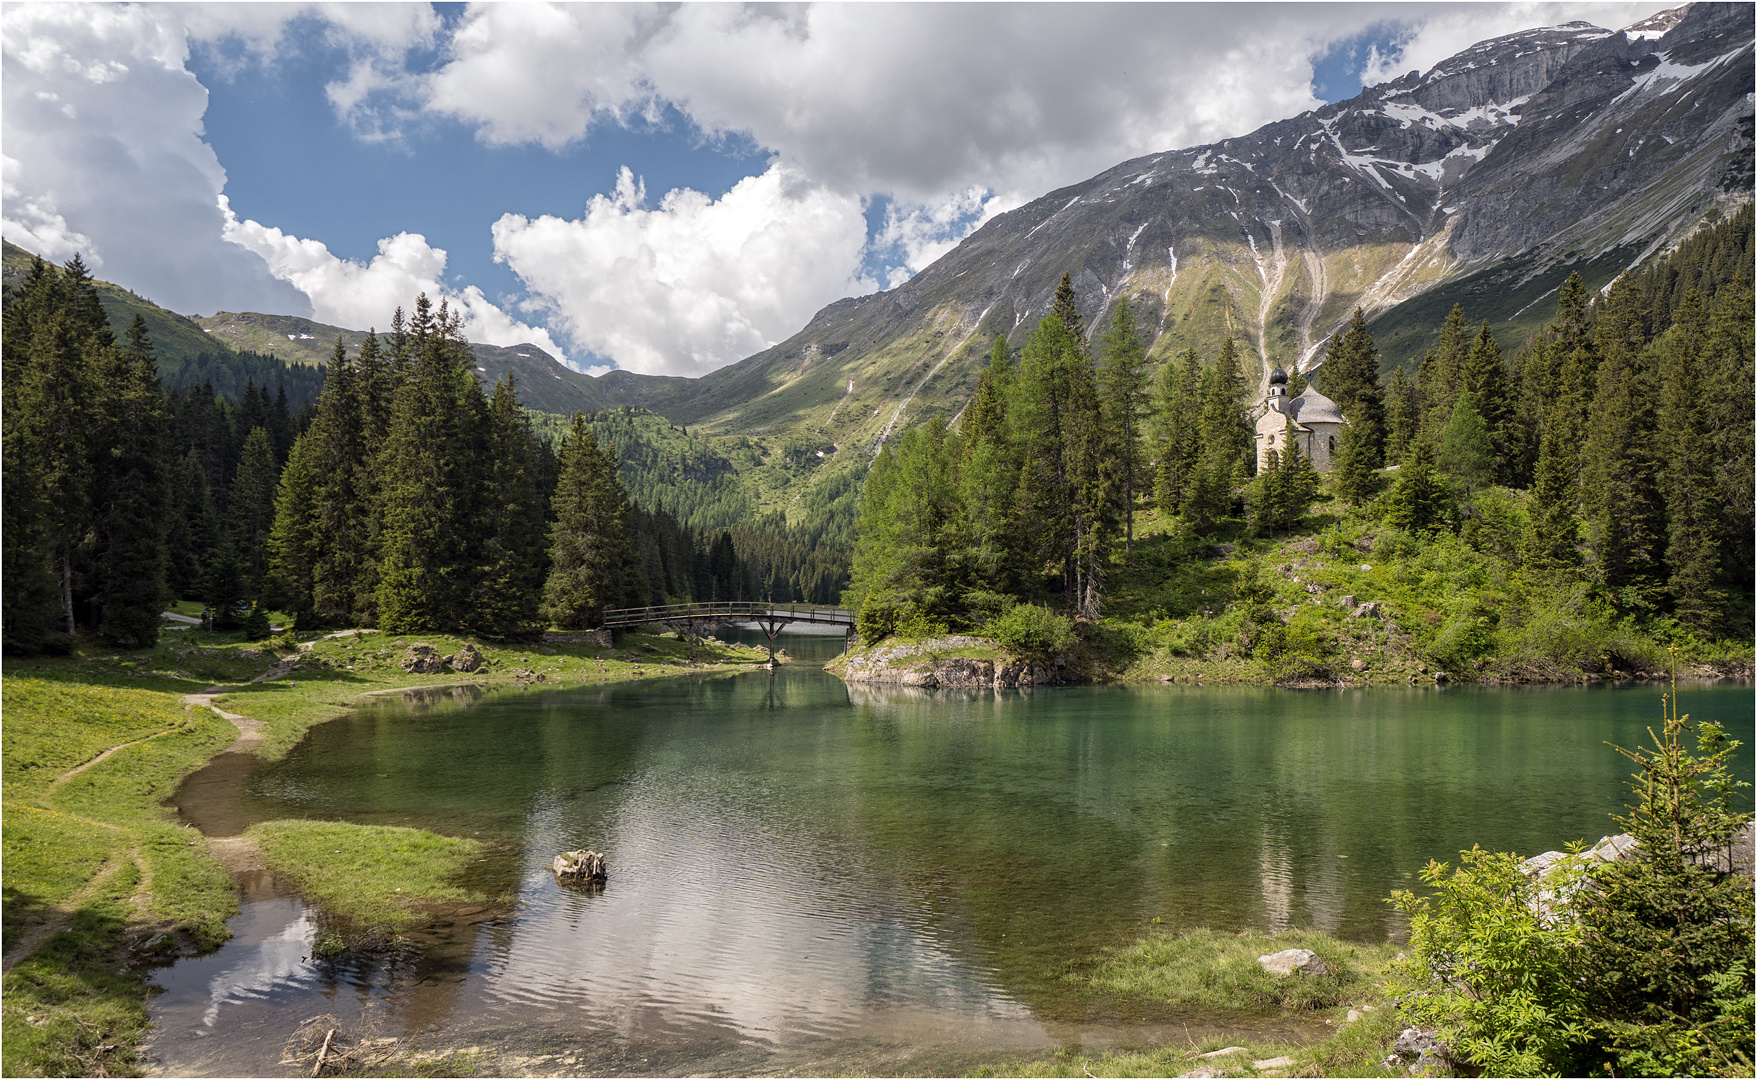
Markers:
point(813, 877)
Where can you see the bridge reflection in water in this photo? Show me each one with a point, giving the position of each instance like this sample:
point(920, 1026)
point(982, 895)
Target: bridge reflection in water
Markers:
point(688, 619)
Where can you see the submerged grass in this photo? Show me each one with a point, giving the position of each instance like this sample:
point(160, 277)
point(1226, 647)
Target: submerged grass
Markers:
point(370, 876)
point(1209, 970)
point(1219, 973)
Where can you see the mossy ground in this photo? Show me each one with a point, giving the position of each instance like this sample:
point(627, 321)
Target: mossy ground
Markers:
point(96, 857)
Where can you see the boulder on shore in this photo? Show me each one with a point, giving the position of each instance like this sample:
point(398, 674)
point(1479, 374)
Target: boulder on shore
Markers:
point(1289, 961)
point(422, 659)
point(578, 867)
point(466, 659)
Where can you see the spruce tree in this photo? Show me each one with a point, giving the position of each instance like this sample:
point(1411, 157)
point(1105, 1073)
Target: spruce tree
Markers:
point(1442, 371)
point(1300, 484)
point(590, 554)
point(988, 477)
point(1066, 308)
point(250, 512)
point(1180, 432)
point(1417, 501)
point(1124, 387)
point(1485, 378)
point(1552, 542)
point(131, 493)
point(1355, 477)
point(1350, 377)
point(1403, 411)
point(1467, 457)
point(1687, 479)
point(433, 487)
point(1265, 498)
point(515, 552)
point(1226, 435)
point(1619, 476)
point(1727, 364)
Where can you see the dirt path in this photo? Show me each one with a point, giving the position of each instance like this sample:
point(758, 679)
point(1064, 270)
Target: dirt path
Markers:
point(235, 853)
point(34, 937)
point(249, 730)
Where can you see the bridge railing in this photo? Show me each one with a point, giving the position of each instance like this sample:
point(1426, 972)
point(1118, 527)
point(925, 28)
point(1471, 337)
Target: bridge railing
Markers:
point(738, 610)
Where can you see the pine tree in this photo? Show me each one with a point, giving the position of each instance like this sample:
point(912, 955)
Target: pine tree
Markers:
point(1442, 371)
point(590, 556)
point(1467, 457)
point(1417, 501)
point(131, 493)
point(433, 488)
point(1180, 435)
point(250, 513)
point(1124, 406)
point(1687, 480)
point(1350, 377)
point(1485, 378)
point(510, 593)
point(1226, 435)
point(1727, 362)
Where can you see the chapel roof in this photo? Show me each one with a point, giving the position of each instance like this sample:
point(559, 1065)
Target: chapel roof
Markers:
point(1311, 407)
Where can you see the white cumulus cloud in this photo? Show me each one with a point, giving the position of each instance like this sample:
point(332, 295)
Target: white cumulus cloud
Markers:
point(102, 127)
point(359, 295)
point(696, 282)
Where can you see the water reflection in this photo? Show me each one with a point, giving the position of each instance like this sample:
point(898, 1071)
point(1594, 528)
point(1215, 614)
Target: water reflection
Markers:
point(795, 864)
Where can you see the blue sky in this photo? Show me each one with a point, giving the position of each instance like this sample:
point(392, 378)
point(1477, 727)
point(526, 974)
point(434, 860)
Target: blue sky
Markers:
point(665, 189)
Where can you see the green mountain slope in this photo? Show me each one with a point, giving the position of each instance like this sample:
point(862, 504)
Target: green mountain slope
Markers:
point(187, 354)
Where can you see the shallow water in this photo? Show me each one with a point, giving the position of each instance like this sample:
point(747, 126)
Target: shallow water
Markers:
point(807, 876)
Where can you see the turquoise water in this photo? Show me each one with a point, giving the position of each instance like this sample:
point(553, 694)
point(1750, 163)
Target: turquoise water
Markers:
point(806, 871)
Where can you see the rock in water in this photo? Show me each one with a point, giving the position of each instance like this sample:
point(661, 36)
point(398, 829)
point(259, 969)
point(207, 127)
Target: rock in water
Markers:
point(579, 868)
point(1288, 961)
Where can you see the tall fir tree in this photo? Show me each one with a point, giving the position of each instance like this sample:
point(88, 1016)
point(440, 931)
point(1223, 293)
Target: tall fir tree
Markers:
point(1467, 456)
point(1403, 411)
point(433, 489)
point(515, 553)
point(1350, 377)
point(1124, 386)
point(1619, 475)
point(1552, 538)
point(591, 559)
point(250, 512)
point(1484, 378)
point(131, 494)
point(1180, 432)
point(1417, 501)
point(1442, 370)
point(988, 478)
point(1687, 480)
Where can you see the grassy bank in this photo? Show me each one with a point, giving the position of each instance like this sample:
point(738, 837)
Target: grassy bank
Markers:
point(1348, 601)
point(101, 881)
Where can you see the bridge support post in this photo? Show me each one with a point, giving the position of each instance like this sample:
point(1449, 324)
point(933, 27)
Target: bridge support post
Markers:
point(772, 627)
point(848, 640)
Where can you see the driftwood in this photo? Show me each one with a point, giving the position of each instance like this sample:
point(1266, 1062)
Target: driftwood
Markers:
point(579, 868)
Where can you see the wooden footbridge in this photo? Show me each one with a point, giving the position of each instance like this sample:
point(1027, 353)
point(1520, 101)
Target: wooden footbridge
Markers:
point(689, 618)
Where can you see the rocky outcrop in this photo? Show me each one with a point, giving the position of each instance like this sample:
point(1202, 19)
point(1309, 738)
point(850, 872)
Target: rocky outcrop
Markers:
point(466, 659)
point(422, 659)
point(601, 637)
point(923, 664)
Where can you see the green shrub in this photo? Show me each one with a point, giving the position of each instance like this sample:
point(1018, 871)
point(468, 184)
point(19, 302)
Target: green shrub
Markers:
point(917, 624)
point(1504, 989)
point(1032, 632)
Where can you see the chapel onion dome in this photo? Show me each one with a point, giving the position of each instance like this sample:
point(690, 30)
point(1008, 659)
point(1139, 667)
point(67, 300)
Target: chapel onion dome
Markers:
point(1278, 378)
